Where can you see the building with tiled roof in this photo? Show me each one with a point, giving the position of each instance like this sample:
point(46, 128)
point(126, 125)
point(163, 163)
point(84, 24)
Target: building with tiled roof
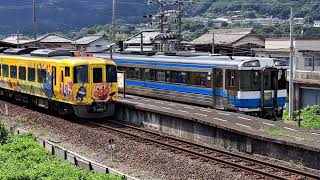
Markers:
point(229, 41)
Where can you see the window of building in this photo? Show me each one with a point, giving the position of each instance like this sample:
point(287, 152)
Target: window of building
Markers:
point(317, 62)
point(81, 74)
point(67, 71)
point(31, 74)
point(5, 70)
point(308, 62)
point(97, 75)
point(22, 73)
point(111, 73)
point(41, 74)
point(13, 71)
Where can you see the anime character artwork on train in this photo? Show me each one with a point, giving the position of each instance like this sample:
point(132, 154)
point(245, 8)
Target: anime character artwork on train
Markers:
point(84, 86)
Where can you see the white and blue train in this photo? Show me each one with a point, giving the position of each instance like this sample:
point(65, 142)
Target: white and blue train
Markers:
point(245, 84)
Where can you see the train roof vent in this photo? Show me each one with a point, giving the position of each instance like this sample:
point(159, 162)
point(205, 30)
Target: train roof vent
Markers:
point(51, 52)
point(18, 51)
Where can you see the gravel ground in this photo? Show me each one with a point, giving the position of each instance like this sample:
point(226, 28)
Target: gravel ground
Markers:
point(131, 157)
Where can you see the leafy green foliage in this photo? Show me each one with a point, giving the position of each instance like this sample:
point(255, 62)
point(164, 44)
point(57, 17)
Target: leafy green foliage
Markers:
point(310, 117)
point(23, 158)
point(4, 134)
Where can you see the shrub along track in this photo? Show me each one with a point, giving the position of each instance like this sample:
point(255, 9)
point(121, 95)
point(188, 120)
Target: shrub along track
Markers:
point(251, 167)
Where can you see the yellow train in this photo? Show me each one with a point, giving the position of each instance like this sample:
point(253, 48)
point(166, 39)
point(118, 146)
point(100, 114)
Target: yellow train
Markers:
point(84, 86)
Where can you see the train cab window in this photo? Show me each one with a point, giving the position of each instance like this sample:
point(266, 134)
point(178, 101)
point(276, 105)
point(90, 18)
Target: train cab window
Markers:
point(97, 75)
point(5, 70)
point(179, 77)
point(42, 74)
point(22, 73)
point(31, 74)
point(81, 74)
point(67, 71)
point(250, 80)
point(13, 71)
point(161, 75)
point(111, 73)
point(282, 79)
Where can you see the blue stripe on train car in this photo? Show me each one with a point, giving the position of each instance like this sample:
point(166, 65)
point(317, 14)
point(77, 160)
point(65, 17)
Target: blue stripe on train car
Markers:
point(242, 103)
point(118, 61)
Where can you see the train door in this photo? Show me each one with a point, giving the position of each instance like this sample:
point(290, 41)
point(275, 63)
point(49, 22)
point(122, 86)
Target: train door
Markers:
point(230, 84)
point(269, 88)
point(217, 88)
point(67, 83)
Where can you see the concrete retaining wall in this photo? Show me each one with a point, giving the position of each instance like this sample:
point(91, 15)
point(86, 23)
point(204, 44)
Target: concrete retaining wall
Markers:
point(213, 135)
point(75, 158)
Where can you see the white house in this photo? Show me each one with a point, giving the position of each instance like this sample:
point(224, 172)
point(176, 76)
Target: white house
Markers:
point(92, 43)
point(316, 23)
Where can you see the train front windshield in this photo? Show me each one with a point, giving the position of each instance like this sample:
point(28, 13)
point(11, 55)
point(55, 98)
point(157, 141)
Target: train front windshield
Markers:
point(251, 80)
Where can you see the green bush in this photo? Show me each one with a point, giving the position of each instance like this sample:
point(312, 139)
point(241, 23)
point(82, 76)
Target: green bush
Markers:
point(23, 158)
point(310, 117)
point(4, 134)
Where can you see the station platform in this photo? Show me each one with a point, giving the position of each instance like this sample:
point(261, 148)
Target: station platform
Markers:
point(232, 121)
point(242, 132)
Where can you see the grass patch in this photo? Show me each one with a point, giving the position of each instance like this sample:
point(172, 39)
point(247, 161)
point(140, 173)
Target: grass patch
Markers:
point(22, 158)
point(282, 132)
point(310, 117)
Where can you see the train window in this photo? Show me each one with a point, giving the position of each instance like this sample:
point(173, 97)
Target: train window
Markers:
point(41, 74)
point(111, 73)
point(67, 71)
point(0, 70)
point(22, 73)
point(5, 70)
point(179, 77)
point(54, 75)
point(282, 79)
point(130, 72)
point(31, 74)
point(197, 78)
point(137, 73)
point(161, 75)
point(230, 78)
point(81, 74)
point(97, 75)
point(168, 76)
point(250, 80)
point(149, 74)
point(13, 71)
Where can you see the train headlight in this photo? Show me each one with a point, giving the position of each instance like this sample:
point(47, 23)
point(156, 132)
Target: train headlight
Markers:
point(279, 63)
point(251, 64)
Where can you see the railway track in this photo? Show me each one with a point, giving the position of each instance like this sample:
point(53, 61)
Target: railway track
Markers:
point(235, 162)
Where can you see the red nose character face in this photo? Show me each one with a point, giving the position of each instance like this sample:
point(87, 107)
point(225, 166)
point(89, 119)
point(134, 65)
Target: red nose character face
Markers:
point(102, 92)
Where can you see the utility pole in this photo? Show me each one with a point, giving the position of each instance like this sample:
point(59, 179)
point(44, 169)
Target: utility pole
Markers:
point(18, 39)
point(34, 21)
point(291, 90)
point(179, 24)
point(212, 42)
point(113, 34)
